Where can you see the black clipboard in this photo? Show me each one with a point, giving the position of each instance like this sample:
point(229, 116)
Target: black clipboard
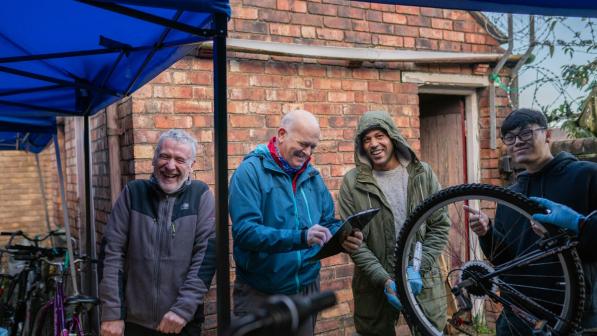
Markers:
point(356, 221)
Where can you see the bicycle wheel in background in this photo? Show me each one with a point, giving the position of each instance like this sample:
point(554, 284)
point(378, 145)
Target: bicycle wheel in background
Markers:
point(468, 283)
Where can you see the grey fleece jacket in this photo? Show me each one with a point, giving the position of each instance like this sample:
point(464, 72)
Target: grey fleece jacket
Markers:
point(158, 253)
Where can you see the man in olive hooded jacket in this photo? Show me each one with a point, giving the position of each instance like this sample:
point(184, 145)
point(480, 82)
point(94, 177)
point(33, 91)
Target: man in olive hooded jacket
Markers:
point(388, 175)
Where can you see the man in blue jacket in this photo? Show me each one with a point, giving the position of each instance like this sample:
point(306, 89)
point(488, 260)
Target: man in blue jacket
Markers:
point(282, 213)
point(562, 179)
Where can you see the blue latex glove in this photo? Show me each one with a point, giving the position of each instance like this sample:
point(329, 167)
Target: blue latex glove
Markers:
point(416, 285)
point(560, 215)
point(414, 279)
point(392, 298)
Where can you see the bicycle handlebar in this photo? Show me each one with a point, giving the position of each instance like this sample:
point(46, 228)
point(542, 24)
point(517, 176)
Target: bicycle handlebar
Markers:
point(55, 263)
point(281, 314)
point(12, 234)
point(26, 252)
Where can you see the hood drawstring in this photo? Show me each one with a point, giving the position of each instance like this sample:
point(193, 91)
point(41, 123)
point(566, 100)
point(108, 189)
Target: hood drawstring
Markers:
point(369, 198)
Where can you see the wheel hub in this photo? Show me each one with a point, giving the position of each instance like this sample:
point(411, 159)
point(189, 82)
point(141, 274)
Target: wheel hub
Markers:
point(475, 270)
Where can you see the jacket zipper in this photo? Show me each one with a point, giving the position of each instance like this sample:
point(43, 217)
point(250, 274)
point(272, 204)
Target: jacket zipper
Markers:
point(157, 264)
point(155, 271)
point(298, 252)
point(307, 206)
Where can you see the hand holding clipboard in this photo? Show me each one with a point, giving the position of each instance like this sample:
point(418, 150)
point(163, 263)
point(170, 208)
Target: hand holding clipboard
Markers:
point(354, 222)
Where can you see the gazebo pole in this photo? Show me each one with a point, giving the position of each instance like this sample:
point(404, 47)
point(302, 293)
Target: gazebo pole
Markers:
point(92, 279)
point(221, 173)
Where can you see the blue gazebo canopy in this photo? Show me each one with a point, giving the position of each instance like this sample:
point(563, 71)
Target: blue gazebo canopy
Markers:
point(74, 58)
point(27, 134)
point(65, 57)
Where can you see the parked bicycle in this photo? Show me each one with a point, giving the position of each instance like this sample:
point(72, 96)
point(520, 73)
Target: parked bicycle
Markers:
point(20, 292)
point(478, 286)
point(61, 315)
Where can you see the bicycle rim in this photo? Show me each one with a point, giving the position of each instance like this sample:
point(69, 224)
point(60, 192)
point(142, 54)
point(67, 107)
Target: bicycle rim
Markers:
point(460, 295)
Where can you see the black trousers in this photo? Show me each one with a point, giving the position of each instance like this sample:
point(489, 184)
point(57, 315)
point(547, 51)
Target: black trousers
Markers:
point(193, 328)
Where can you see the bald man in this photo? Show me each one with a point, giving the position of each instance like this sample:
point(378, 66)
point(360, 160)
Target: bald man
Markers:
point(281, 213)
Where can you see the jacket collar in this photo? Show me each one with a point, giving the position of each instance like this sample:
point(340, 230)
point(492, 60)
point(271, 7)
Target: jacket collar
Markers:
point(263, 153)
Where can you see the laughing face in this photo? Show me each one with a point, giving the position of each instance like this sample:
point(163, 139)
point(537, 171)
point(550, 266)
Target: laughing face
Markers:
point(297, 144)
point(380, 150)
point(173, 164)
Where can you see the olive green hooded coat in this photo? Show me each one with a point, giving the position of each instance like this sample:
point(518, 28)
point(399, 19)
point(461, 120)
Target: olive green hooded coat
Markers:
point(374, 261)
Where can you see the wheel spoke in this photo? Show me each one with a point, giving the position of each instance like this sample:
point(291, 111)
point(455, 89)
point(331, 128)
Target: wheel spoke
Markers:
point(498, 283)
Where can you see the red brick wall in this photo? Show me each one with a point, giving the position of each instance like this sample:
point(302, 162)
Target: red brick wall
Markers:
point(100, 166)
point(343, 23)
point(262, 88)
point(100, 170)
point(259, 93)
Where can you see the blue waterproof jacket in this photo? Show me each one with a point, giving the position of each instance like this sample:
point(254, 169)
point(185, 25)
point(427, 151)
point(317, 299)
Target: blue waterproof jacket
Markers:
point(269, 223)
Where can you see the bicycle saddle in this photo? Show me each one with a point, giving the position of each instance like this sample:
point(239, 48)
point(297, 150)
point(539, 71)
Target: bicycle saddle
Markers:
point(84, 301)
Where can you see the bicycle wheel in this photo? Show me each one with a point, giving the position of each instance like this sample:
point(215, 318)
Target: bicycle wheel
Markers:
point(514, 280)
point(7, 302)
point(43, 324)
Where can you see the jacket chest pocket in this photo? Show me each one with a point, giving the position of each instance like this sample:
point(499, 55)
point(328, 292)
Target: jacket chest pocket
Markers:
point(180, 237)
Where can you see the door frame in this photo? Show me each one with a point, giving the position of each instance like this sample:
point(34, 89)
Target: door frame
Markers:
point(457, 85)
point(471, 111)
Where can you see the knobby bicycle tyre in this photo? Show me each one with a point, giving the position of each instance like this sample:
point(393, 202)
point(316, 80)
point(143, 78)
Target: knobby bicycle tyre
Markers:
point(421, 317)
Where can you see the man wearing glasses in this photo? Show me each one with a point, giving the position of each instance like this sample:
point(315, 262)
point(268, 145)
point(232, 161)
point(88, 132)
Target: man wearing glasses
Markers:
point(562, 179)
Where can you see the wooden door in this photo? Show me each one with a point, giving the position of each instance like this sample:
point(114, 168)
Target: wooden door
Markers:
point(442, 137)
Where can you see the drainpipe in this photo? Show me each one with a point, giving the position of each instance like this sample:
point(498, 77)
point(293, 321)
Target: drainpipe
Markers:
point(42, 190)
point(492, 76)
point(523, 60)
point(114, 151)
point(69, 242)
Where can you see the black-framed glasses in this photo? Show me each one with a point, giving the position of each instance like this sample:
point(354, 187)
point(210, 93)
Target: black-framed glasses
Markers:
point(524, 135)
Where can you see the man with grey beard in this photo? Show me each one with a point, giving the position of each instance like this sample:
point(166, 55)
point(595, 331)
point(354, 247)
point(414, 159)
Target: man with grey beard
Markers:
point(158, 250)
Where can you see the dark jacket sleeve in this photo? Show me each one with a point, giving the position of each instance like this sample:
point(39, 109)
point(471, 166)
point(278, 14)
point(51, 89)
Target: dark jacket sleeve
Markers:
point(588, 253)
point(112, 258)
point(193, 290)
point(586, 249)
point(494, 244)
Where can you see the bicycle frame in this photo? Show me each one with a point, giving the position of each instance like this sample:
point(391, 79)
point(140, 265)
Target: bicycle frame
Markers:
point(62, 327)
point(55, 309)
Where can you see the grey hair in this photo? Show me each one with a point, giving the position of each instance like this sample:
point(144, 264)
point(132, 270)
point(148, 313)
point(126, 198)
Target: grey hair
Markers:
point(179, 136)
point(291, 117)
